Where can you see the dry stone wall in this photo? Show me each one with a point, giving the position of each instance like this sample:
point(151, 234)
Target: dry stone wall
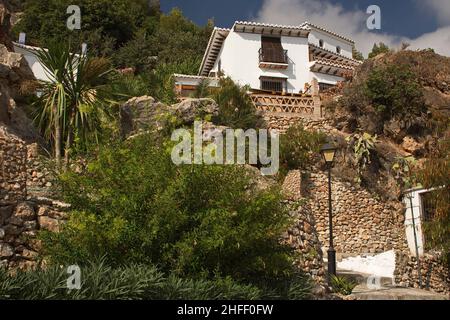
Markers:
point(22, 215)
point(434, 272)
point(362, 223)
point(283, 121)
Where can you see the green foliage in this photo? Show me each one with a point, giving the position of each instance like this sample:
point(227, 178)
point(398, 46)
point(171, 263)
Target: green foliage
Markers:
point(127, 86)
point(74, 100)
point(202, 90)
point(378, 49)
point(403, 170)
point(435, 175)
point(394, 90)
point(236, 110)
point(45, 21)
point(178, 39)
point(299, 147)
point(357, 55)
point(134, 205)
point(342, 285)
point(130, 282)
point(363, 145)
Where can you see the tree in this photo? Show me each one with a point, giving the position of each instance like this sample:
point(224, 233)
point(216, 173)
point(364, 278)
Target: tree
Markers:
point(73, 100)
point(357, 55)
point(106, 24)
point(378, 49)
point(236, 109)
point(178, 39)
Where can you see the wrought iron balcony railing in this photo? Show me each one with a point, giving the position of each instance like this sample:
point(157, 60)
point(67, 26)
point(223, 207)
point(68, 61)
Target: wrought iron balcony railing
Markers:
point(271, 55)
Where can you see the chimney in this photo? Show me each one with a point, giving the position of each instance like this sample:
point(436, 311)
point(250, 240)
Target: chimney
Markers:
point(22, 38)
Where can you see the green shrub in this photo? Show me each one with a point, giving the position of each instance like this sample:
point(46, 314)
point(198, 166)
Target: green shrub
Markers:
point(299, 147)
point(134, 205)
point(236, 110)
point(130, 282)
point(342, 285)
point(394, 90)
point(363, 147)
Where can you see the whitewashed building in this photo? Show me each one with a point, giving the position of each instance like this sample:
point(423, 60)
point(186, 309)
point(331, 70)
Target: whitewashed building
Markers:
point(275, 58)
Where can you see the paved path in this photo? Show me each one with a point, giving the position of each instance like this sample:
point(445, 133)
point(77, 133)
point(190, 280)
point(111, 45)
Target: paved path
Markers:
point(361, 292)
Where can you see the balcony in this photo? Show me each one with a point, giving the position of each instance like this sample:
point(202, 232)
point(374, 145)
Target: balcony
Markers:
point(273, 58)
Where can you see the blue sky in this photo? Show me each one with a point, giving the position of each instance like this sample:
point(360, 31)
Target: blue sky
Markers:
point(423, 23)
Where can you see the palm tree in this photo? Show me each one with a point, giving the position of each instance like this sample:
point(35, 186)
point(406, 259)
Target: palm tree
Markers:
point(73, 100)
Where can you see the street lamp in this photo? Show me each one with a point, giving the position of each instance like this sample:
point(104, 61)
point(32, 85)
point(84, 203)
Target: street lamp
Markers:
point(329, 151)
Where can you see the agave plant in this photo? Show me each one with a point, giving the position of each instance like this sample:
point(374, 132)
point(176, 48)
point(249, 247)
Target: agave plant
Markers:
point(73, 100)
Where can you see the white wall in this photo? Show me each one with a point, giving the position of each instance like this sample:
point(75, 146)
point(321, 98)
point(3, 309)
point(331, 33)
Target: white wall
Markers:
point(417, 214)
point(330, 43)
point(33, 62)
point(325, 78)
point(240, 61)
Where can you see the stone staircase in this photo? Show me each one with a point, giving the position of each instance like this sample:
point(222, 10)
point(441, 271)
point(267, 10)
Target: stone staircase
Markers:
point(383, 288)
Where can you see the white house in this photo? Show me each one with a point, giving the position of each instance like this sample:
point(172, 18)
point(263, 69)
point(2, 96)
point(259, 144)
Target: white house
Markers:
point(275, 58)
point(30, 56)
point(29, 52)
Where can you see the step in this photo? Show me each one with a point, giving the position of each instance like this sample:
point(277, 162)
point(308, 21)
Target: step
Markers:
point(361, 292)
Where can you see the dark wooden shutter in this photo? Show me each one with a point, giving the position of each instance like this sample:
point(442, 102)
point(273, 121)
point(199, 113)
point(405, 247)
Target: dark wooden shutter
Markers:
point(272, 49)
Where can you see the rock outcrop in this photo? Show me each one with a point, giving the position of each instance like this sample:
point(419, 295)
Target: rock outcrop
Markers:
point(144, 113)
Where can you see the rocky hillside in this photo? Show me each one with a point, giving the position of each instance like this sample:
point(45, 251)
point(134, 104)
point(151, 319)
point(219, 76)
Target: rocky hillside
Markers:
point(14, 73)
point(404, 99)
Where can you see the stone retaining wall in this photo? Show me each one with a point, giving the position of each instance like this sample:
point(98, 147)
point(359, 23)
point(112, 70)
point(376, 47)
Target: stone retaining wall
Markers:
point(283, 121)
point(362, 224)
point(22, 215)
point(434, 272)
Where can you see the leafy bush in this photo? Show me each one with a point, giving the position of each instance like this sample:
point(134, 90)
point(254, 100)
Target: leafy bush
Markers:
point(127, 86)
point(298, 147)
point(236, 109)
point(394, 90)
point(130, 282)
point(378, 49)
point(363, 146)
point(134, 205)
point(342, 285)
point(434, 175)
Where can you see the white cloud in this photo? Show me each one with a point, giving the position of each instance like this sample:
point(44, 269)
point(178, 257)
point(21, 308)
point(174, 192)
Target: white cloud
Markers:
point(351, 23)
point(439, 8)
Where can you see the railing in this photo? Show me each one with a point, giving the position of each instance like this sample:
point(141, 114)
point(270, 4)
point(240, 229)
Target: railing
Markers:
point(306, 106)
point(273, 55)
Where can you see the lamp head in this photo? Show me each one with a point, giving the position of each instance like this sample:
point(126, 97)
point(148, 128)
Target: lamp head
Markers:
point(328, 151)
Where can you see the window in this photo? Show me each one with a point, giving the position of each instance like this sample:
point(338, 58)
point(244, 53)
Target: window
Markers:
point(272, 50)
point(321, 43)
point(325, 86)
point(273, 84)
point(220, 66)
point(338, 49)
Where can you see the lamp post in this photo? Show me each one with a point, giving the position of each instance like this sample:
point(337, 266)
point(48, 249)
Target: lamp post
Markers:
point(329, 151)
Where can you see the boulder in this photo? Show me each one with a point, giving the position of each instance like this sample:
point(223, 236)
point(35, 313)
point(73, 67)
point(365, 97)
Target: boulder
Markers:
point(50, 224)
point(191, 109)
point(141, 114)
